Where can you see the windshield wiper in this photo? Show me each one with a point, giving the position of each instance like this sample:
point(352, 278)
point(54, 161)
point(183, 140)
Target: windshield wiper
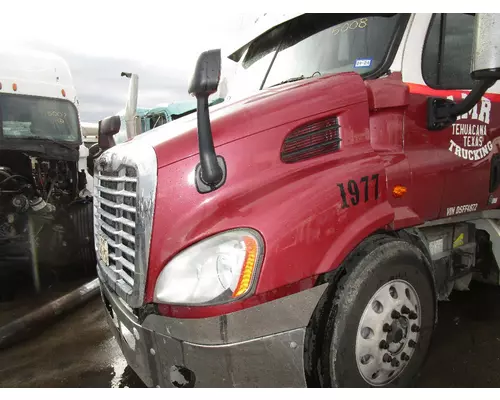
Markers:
point(297, 78)
point(67, 146)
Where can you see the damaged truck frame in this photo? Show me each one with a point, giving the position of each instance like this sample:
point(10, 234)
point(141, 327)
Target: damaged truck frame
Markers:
point(45, 188)
point(302, 232)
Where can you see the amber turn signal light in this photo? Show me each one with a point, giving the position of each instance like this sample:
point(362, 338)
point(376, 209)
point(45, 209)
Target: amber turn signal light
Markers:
point(248, 267)
point(399, 191)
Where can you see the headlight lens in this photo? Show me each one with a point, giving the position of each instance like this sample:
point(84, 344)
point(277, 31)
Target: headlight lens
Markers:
point(216, 270)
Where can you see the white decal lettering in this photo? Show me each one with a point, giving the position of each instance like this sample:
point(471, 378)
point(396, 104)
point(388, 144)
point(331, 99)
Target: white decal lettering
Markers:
point(484, 115)
point(461, 209)
point(475, 147)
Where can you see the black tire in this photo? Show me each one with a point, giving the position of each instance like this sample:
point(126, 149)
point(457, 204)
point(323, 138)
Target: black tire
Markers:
point(372, 265)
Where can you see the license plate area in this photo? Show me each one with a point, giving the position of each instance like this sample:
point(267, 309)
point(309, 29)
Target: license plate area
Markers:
point(103, 249)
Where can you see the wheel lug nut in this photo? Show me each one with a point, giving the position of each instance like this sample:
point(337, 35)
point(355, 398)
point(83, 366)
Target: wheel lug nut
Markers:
point(413, 315)
point(415, 328)
point(387, 358)
point(384, 345)
point(405, 310)
point(395, 314)
point(395, 363)
point(387, 328)
point(412, 343)
point(404, 356)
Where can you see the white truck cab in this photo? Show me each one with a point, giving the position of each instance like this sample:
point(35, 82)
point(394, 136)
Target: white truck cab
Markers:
point(26, 72)
point(43, 170)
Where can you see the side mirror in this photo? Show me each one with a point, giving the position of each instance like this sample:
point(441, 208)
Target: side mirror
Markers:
point(486, 47)
point(107, 128)
point(205, 80)
point(210, 173)
point(485, 70)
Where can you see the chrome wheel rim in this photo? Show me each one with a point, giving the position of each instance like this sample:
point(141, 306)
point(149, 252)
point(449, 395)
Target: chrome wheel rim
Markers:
point(388, 332)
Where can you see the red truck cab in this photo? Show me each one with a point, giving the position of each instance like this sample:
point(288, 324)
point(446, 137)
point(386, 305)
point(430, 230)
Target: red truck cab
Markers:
point(301, 232)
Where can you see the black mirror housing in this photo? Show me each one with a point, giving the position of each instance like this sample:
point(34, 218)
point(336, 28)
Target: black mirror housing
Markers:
point(206, 76)
point(485, 70)
point(107, 128)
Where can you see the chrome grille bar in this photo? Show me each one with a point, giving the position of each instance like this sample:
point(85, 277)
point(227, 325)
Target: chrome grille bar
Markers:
point(124, 194)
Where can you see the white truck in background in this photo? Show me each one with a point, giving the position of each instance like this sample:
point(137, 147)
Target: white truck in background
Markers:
point(45, 188)
point(89, 133)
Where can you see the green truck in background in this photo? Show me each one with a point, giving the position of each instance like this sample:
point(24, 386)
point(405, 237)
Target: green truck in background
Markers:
point(134, 120)
point(150, 118)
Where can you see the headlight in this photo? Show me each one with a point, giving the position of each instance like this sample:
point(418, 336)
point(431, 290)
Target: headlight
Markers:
point(216, 270)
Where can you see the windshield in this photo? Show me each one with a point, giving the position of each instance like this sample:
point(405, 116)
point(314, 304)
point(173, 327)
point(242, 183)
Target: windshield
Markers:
point(33, 117)
point(315, 45)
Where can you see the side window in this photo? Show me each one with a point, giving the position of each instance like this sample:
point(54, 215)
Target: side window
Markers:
point(446, 58)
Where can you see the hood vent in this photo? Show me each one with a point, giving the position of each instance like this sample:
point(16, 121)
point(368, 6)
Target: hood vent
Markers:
point(311, 140)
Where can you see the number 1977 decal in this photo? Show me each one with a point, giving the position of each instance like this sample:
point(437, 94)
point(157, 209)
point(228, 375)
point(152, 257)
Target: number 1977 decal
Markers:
point(354, 192)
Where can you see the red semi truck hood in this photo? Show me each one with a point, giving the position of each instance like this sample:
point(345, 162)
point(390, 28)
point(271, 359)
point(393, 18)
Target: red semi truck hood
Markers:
point(262, 111)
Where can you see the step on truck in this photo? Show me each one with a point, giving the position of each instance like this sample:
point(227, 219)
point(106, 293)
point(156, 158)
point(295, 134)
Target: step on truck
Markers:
point(45, 188)
point(302, 232)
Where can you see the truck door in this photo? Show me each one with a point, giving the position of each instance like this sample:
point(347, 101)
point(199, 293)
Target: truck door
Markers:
point(451, 168)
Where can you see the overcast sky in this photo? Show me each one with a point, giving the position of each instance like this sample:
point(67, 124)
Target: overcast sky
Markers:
point(99, 40)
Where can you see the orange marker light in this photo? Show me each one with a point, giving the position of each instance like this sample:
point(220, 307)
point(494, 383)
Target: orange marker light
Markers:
point(399, 191)
point(248, 267)
point(14, 87)
point(63, 92)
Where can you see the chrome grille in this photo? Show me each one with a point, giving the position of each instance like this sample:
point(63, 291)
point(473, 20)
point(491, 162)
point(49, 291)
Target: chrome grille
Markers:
point(117, 194)
point(124, 193)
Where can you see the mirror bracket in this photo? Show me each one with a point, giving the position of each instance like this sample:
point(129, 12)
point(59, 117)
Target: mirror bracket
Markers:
point(439, 115)
point(441, 112)
point(204, 187)
point(210, 173)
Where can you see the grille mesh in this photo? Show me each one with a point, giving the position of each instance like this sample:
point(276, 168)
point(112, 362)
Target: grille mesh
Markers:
point(311, 140)
point(116, 219)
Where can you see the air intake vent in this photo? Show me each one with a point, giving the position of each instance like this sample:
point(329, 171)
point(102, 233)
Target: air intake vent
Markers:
point(311, 140)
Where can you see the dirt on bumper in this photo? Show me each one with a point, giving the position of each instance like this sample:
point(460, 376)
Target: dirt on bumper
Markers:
point(259, 347)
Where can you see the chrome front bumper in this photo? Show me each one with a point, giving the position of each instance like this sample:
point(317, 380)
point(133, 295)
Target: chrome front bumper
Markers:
point(261, 346)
